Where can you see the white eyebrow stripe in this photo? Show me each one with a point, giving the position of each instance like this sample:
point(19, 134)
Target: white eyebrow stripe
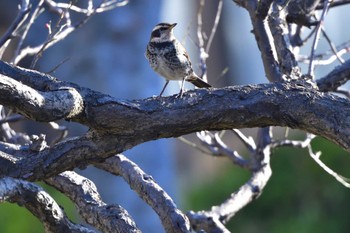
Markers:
point(159, 27)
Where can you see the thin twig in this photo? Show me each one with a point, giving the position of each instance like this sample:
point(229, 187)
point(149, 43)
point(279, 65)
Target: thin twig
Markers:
point(203, 54)
point(215, 26)
point(52, 34)
point(316, 38)
point(247, 141)
point(61, 11)
point(333, 48)
point(213, 219)
point(67, 28)
point(63, 132)
point(217, 147)
point(317, 58)
point(309, 35)
point(32, 18)
point(21, 17)
point(104, 6)
point(11, 119)
point(194, 145)
point(57, 66)
point(334, 3)
point(294, 143)
point(316, 157)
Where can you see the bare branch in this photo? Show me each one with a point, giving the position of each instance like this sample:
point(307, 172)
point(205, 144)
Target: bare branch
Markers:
point(63, 132)
point(67, 27)
point(12, 118)
point(279, 30)
point(39, 203)
point(203, 54)
point(204, 50)
point(334, 54)
point(21, 17)
point(247, 141)
point(63, 103)
point(117, 125)
point(333, 48)
point(63, 12)
point(219, 148)
point(111, 4)
point(215, 26)
point(23, 35)
point(194, 145)
point(318, 58)
point(316, 157)
point(211, 221)
point(6, 133)
point(21, 162)
point(263, 8)
point(238, 107)
point(295, 143)
point(173, 220)
point(343, 92)
point(264, 39)
point(336, 78)
point(83, 192)
point(317, 37)
point(34, 50)
point(333, 3)
point(104, 6)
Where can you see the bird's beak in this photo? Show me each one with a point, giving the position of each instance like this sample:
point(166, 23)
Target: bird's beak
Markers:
point(172, 26)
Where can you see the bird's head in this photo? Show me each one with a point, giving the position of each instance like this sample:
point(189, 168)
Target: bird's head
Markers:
point(163, 32)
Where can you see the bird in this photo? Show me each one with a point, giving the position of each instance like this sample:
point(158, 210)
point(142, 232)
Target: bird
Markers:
point(167, 57)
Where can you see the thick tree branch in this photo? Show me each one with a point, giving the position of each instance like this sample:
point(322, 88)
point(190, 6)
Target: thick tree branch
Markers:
point(265, 41)
point(21, 162)
point(83, 192)
point(54, 105)
point(173, 220)
point(40, 203)
point(336, 78)
point(278, 27)
point(119, 125)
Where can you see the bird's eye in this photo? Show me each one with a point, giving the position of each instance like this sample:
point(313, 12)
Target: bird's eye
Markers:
point(156, 33)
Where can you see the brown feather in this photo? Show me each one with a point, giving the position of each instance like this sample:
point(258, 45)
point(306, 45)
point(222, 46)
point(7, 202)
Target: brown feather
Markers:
point(198, 82)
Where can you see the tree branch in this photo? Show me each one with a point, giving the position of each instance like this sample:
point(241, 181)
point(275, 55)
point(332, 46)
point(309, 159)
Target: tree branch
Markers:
point(264, 39)
point(173, 220)
point(40, 204)
point(334, 3)
point(316, 38)
point(53, 105)
point(83, 192)
point(21, 17)
point(278, 27)
point(213, 220)
point(336, 78)
point(119, 125)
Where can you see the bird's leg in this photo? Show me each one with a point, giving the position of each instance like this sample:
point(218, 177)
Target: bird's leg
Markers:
point(182, 87)
point(166, 84)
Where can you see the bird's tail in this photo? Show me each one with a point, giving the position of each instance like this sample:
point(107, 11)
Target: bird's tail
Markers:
point(197, 81)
